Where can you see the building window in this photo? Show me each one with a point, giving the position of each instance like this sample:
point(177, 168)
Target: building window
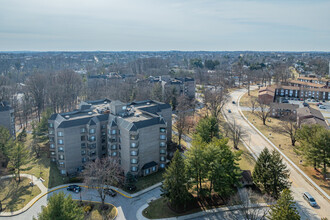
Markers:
point(153, 169)
point(83, 152)
point(51, 131)
point(92, 138)
point(114, 154)
point(82, 138)
point(60, 149)
point(52, 153)
point(162, 137)
point(113, 131)
point(134, 153)
point(147, 171)
point(82, 130)
point(51, 125)
point(163, 151)
point(60, 134)
point(162, 165)
point(52, 146)
point(53, 159)
point(61, 157)
point(133, 145)
point(83, 159)
point(162, 144)
point(60, 141)
point(162, 158)
point(113, 147)
point(51, 139)
point(61, 164)
point(92, 131)
point(134, 169)
point(83, 145)
point(134, 161)
point(103, 126)
point(134, 136)
point(162, 130)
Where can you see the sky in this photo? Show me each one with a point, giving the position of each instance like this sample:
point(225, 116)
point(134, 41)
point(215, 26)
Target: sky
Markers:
point(161, 25)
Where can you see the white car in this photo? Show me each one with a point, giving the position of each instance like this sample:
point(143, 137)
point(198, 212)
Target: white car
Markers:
point(322, 107)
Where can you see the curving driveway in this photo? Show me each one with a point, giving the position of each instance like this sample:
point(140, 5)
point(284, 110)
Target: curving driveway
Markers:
point(257, 143)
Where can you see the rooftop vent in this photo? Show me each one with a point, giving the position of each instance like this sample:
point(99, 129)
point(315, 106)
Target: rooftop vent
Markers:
point(67, 116)
point(90, 113)
point(148, 103)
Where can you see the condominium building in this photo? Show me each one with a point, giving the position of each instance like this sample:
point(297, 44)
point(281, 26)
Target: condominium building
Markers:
point(7, 118)
point(135, 134)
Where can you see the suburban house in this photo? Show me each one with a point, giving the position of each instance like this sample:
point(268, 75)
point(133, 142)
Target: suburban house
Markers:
point(283, 109)
point(309, 115)
point(135, 134)
point(7, 117)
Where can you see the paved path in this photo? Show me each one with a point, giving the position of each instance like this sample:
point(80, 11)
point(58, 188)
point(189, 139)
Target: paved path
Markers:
point(257, 143)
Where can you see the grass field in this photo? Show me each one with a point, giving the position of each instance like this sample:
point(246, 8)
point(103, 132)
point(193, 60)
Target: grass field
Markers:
point(286, 147)
point(15, 196)
point(246, 99)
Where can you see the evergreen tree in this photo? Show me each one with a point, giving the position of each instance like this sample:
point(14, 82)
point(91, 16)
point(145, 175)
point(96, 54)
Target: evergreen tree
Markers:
point(60, 207)
point(18, 157)
point(130, 181)
point(6, 144)
point(284, 208)
point(314, 146)
point(206, 129)
point(175, 182)
point(270, 173)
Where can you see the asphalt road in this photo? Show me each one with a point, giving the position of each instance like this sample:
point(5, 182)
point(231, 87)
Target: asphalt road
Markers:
point(258, 143)
point(127, 208)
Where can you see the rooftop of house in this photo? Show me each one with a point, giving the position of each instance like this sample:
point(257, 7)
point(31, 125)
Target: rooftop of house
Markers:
point(304, 89)
point(271, 93)
point(283, 106)
point(307, 83)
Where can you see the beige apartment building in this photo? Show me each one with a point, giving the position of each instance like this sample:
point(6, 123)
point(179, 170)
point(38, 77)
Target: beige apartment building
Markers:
point(135, 134)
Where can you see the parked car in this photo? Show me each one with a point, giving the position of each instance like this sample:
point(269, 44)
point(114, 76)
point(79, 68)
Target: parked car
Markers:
point(305, 104)
point(229, 111)
point(285, 101)
point(320, 103)
point(322, 107)
point(74, 188)
point(309, 199)
point(233, 102)
point(323, 100)
point(110, 192)
point(301, 99)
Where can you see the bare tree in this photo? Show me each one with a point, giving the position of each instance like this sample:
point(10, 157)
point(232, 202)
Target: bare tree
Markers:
point(247, 210)
point(289, 127)
point(36, 85)
point(253, 102)
point(263, 111)
point(181, 119)
point(215, 100)
point(235, 133)
point(102, 173)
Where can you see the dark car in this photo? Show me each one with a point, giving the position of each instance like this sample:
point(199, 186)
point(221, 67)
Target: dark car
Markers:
point(74, 188)
point(233, 102)
point(229, 111)
point(305, 104)
point(285, 101)
point(110, 192)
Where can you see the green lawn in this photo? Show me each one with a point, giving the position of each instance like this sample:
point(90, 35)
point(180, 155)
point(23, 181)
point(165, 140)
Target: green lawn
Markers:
point(42, 167)
point(14, 196)
point(146, 181)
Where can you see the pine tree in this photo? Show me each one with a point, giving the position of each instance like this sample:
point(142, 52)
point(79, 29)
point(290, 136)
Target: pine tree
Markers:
point(175, 182)
point(207, 128)
point(270, 173)
point(284, 208)
point(18, 157)
point(60, 207)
